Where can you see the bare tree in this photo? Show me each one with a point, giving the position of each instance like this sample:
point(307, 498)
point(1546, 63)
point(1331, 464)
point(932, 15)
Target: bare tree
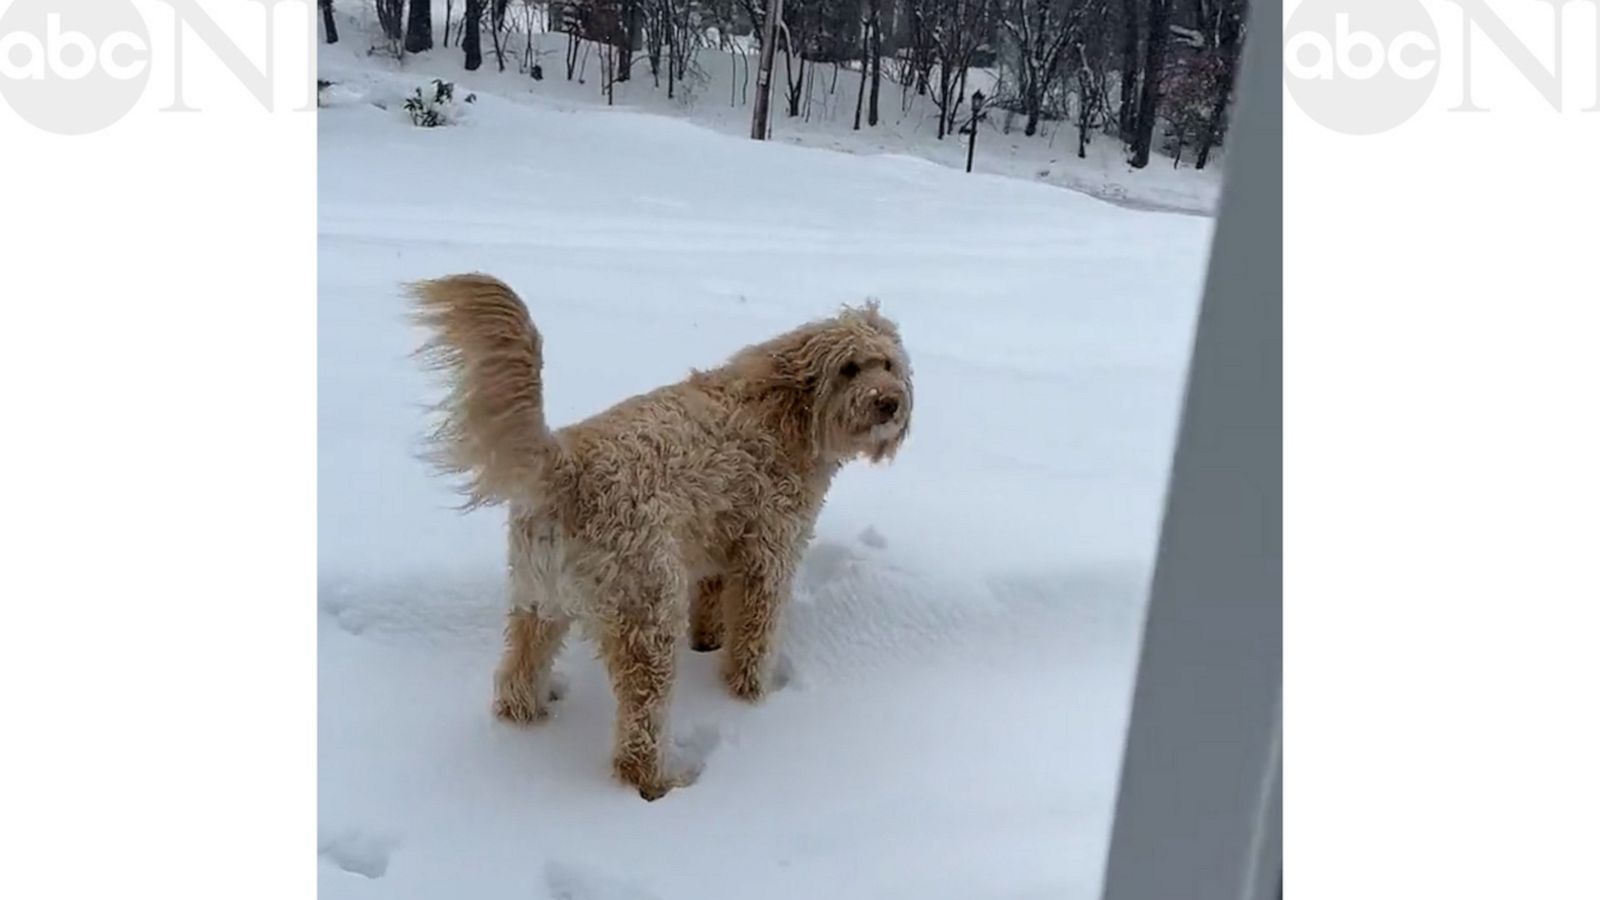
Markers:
point(419, 27)
point(391, 19)
point(1039, 31)
point(954, 30)
point(793, 79)
point(875, 54)
point(866, 50)
point(1089, 62)
point(497, 26)
point(1150, 91)
point(1131, 20)
point(1229, 38)
point(760, 120)
point(920, 59)
point(470, 38)
point(330, 28)
point(629, 18)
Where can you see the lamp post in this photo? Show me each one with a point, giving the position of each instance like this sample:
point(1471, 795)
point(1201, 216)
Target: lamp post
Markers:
point(972, 126)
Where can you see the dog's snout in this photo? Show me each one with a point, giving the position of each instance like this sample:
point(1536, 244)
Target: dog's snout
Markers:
point(887, 407)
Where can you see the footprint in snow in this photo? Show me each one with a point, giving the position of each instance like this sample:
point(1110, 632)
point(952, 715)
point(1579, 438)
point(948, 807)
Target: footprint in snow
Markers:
point(566, 881)
point(688, 753)
point(784, 675)
point(358, 853)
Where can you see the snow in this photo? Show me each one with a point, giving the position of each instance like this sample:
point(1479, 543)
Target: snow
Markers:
point(962, 637)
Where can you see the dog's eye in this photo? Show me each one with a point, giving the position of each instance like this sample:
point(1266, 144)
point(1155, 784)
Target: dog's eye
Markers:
point(888, 365)
point(850, 370)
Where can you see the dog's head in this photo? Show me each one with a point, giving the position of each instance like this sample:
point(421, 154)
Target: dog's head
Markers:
point(847, 381)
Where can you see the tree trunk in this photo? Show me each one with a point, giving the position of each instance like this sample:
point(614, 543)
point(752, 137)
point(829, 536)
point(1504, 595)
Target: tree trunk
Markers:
point(1130, 68)
point(961, 94)
point(630, 29)
point(1031, 101)
point(419, 27)
point(1083, 124)
point(391, 18)
point(667, 28)
point(449, 13)
point(1150, 92)
point(943, 98)
point(1228, 46)
point(653, 46)
point(497, 19)
point(330, 28)
point(470, 38)
point(796, 79)
point(866, 56)
point(877, 63)
point(760, 117)
point(499, 51)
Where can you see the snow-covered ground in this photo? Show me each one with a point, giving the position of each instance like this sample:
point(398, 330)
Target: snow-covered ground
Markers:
point(964, 628)
point(718, 97)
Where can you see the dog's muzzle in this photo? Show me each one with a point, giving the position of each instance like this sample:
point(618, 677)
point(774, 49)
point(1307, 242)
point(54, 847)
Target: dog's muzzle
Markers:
point(886, 408)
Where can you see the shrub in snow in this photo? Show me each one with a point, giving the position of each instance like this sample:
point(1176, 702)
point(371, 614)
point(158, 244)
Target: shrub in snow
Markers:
point(437, 106)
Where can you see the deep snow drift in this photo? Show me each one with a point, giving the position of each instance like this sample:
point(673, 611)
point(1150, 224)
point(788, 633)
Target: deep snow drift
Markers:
point(964, 629)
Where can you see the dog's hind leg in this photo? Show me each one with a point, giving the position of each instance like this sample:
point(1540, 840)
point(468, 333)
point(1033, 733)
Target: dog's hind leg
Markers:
point(705, 615)
point(640, 648)
point(524, 684)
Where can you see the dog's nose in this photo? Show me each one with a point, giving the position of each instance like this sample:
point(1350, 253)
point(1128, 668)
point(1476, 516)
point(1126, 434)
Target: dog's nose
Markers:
point(887, 407)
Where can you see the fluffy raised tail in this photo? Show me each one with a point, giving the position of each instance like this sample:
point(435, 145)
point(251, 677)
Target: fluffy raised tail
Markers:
point(491, 426)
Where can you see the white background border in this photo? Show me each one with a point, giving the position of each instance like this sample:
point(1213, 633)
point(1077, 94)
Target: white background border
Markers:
point(157, 657)
point(158, 641)
point(1441, 374)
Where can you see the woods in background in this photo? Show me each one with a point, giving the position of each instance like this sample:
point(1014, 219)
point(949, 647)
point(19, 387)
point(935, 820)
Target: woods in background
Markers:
point(1156, 75)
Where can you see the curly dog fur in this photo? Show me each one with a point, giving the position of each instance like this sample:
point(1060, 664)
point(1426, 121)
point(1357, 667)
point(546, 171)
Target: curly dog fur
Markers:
point(684, 510)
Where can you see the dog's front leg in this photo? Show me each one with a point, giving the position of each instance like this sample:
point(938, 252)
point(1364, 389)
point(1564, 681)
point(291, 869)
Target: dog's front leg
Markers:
point(752, 603)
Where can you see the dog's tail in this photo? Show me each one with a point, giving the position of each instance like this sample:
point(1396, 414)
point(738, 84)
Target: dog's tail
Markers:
point(492, 427)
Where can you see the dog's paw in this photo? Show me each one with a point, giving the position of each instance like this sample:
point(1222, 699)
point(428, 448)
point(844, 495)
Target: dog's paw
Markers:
point(705, 635)
point(752, 684)
point(655, 790)
point(516, 710)
point(520, 705)
point(743, 683)
point(649, 779)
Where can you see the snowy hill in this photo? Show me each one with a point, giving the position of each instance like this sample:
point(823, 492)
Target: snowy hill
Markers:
point(964, 628)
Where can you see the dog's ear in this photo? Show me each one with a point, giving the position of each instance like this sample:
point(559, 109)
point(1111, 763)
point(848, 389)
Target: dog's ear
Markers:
point(790, 373)
point(797, 361)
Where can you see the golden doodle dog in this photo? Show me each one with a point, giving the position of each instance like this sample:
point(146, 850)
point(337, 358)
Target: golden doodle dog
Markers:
point(684, 510)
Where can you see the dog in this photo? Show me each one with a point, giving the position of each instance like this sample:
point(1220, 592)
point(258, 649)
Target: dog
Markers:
point(681, 511)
